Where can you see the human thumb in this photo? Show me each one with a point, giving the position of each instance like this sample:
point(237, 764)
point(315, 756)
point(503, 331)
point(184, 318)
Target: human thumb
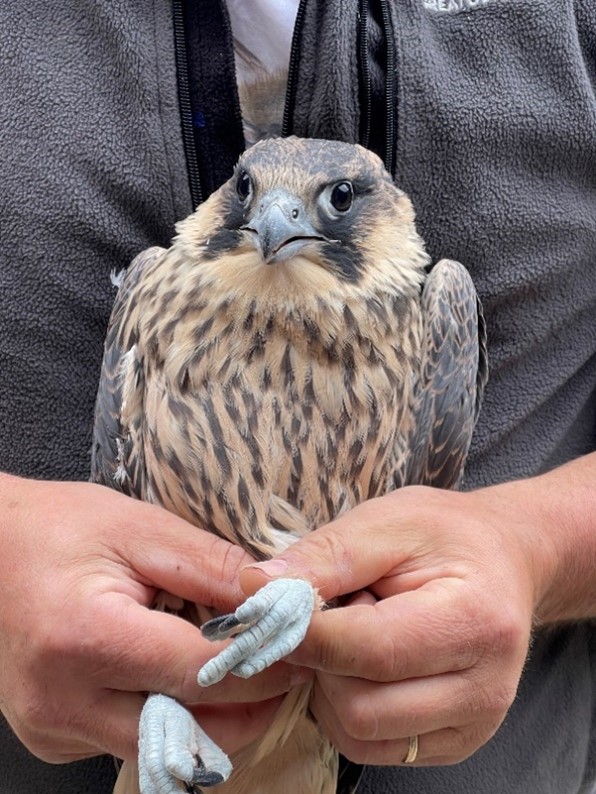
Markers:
point(341, 557)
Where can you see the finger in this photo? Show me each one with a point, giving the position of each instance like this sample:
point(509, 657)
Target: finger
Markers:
point(406, 636)
point(438, 628)
point(114, 723)
point(233, 726)
point(111, 726)
point(276, 680)
point(361, 598)
point(366, 544)
point(444, 746)
point(50, 747)
point(334, 558)
point(173, 555)
point(150, 651)
point(378, 712)
point(107, 724)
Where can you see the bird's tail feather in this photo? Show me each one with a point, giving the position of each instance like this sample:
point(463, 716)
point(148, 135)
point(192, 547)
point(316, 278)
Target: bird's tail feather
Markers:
point(128, 779)
point(293, 708)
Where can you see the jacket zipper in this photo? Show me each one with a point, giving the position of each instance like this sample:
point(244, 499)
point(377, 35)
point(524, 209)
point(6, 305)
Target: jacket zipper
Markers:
point(365, 73)
point(192, 164)
point(288, 118)
point(390, 96)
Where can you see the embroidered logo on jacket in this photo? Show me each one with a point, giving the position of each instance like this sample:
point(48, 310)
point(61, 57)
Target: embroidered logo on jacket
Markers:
point(453, 6)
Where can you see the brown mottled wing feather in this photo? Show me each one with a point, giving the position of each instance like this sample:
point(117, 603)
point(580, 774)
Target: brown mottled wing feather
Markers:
point(115, 459)
point(453, 375)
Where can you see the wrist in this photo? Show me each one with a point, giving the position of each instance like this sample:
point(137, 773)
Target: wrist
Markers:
point(517, 509)
point(554, 522)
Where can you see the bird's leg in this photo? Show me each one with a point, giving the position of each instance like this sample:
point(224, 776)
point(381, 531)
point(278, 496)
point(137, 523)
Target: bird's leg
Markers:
point(175, 754)
point(268, 625)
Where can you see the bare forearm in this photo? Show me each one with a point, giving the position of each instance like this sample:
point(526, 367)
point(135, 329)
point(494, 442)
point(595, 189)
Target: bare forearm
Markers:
point(558, 511)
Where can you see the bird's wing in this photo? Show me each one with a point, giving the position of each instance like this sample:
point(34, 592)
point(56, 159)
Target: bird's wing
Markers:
point(453, 373)
point(117, 454)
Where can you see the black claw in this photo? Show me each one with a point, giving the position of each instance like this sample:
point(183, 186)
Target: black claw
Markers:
point(205, 779)
point(219, 628)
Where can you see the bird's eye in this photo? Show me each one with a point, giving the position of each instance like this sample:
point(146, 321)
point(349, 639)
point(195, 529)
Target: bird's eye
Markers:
point(342, 196)
point(243, 186)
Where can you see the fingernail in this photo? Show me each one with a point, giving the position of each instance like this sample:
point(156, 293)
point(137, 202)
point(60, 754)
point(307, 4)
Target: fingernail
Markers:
point(271, 568)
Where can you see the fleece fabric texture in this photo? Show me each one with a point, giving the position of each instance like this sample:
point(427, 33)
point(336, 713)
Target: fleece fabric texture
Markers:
point(494, 138)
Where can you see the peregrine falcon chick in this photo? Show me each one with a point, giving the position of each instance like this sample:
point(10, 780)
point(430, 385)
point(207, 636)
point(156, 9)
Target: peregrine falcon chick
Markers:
point(289, 356)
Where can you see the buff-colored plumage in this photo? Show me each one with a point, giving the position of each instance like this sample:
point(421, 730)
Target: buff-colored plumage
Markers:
point(258, 391)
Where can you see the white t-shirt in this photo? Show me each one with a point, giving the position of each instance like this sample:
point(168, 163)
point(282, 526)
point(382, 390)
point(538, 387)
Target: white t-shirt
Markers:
point(262, 31)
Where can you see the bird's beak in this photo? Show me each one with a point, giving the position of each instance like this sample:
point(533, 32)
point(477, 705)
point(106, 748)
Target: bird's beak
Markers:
point(279, 226)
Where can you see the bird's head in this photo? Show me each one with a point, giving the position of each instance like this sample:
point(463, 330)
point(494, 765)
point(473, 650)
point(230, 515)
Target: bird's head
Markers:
point(323, 212)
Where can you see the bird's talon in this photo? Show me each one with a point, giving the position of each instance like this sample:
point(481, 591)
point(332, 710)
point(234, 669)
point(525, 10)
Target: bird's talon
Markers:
point(206, 779)
point(219, 628)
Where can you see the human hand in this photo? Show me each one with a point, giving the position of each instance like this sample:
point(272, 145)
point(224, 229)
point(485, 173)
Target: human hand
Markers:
point(79, 646)
point(436, 645)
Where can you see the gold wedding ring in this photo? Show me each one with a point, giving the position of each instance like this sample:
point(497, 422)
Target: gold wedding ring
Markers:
point(412, 750)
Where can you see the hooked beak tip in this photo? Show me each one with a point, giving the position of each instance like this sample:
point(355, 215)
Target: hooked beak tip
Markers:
point(279, 227)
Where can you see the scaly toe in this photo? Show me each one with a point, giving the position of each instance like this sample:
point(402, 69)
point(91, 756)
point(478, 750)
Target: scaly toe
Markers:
point(275, 621)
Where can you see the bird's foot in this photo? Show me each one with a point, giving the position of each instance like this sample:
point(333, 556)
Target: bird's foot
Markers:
point(268, 625)
point(175, 754)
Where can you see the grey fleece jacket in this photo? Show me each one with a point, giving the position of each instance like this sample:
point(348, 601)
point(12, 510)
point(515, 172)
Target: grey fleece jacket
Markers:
point(494, 138)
